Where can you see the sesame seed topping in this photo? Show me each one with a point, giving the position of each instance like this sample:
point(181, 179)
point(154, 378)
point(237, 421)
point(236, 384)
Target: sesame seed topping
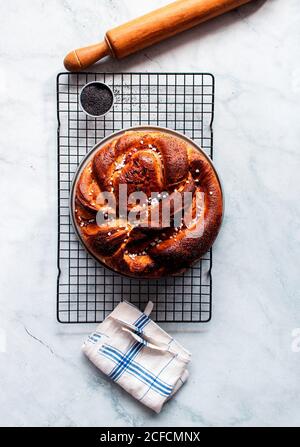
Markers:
point(197, 170)
point(109, 233)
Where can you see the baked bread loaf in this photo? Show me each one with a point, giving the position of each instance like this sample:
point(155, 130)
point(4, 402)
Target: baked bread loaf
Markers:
point(148, 162)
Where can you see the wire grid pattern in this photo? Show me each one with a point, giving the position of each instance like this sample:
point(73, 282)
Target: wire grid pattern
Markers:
point(87, 291)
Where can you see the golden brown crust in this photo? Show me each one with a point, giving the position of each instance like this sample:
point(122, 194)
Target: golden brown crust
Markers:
point(150, 162)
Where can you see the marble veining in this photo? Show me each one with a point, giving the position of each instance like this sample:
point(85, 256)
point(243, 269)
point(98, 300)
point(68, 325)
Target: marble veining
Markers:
point(243, 371)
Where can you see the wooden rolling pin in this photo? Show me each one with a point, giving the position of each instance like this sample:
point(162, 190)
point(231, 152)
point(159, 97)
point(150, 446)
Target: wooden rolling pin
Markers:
point(149, 29)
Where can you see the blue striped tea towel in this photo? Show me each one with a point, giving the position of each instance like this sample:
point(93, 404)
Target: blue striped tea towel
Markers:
point(137, 354)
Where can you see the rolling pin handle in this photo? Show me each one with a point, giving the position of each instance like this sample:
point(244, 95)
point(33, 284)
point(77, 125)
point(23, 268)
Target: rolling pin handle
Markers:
point(82, 58)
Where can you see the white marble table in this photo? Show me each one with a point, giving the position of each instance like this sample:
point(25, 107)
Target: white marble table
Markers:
point(244, 371)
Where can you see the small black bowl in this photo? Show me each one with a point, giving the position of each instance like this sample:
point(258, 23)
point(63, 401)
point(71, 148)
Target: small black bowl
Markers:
point(96, 99)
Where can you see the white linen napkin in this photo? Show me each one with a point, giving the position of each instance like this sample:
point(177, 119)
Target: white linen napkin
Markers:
point(138, 355)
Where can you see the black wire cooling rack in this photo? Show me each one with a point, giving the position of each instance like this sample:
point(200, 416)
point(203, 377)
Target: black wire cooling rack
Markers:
point(86, 291)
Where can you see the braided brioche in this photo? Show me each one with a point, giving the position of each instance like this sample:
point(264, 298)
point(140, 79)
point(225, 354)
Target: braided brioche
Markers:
point(148, 162)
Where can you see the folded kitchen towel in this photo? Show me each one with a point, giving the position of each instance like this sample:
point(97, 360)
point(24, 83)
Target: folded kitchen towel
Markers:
point(137, 354)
